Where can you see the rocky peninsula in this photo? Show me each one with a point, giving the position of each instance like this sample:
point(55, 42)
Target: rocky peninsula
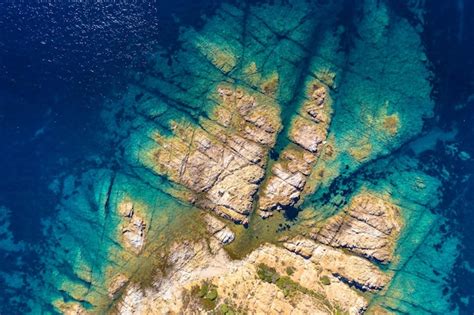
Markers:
point(262, 168)
point(224, 164)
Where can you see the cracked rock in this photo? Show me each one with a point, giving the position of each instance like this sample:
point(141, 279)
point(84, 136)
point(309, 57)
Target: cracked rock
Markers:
point(369, 226)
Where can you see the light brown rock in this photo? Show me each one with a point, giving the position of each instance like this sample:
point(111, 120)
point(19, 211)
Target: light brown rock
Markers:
point(117, 283)
point(315, 109)
point(237, 282)
point(125, 208)
point(307, 274)
point(133, 226)
point(287, 180)
point(307, 133)
point(351, 268)
point(369, 226)
point(222, 161)
point(219, 229)
point(134, 234)
point(288, 176)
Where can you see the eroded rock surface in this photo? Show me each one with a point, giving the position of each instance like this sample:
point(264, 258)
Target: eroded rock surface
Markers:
point(222, 161)
point(299, 283)
point(369, 225)
point(219, 229)
point(330, 273)
point(116, 284)
point(308, 131)
point(133, 227)
point(354, 269)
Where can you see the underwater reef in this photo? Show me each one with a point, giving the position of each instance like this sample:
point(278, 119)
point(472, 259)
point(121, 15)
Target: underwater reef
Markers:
point(264, 167)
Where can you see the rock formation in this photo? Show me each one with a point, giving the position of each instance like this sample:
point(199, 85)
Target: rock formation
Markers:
point(300, 277)
point(368, 226)
point(354, 269)
point(308, 132)
point(133, 228)
point(218, 229)
point(222, 160)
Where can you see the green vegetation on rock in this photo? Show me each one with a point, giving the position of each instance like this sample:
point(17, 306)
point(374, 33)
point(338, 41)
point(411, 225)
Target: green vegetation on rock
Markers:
point(206, 294)
point(284, 283)
point(225, 309)
point(290, 270)
point(325, 280)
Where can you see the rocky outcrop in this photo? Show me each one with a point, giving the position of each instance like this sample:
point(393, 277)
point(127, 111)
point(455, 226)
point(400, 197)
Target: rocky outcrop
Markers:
point(353, 269)
point(133, 227)
point(284, 185)
point(308, 131)
point(117, 283)
point(133, 301)
point(222, 161)
point(322, 275)
point(300, 277)
point(307, 134)
point(334, 293)
point(369, 225)
point(191, 263)
point(219, 229)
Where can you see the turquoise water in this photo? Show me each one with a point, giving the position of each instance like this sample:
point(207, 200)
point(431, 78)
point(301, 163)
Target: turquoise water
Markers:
point(61, 242)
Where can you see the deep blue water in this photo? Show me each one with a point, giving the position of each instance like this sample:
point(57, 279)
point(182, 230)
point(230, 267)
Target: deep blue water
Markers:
point(58, 61)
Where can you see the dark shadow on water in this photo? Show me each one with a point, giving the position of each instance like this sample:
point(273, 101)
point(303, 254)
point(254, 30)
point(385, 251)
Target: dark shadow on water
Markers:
point(290, 213)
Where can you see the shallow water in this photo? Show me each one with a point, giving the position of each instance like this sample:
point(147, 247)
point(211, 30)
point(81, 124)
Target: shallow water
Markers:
point(82, 87)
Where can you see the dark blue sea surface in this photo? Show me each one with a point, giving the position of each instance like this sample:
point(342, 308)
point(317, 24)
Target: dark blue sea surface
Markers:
point(60, 62)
